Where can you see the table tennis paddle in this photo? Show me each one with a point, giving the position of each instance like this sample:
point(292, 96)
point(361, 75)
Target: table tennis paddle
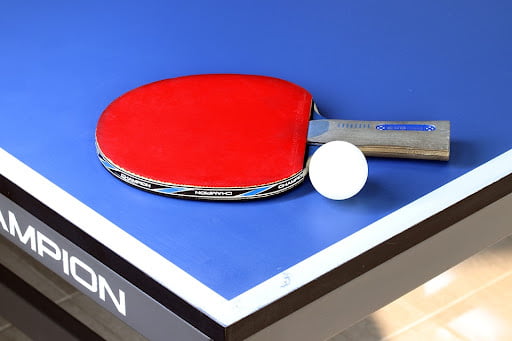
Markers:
point(234, 137)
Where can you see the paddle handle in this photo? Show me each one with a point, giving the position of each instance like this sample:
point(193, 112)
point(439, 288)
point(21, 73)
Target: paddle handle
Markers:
point(400, 139)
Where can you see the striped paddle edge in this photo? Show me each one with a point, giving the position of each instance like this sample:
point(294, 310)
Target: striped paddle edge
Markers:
point(199, 192)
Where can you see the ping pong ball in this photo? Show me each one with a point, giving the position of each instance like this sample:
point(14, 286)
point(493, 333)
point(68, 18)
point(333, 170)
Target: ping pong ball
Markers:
point(338, 170)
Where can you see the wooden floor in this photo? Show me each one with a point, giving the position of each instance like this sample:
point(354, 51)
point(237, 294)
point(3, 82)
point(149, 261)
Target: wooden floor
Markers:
point(472, 301)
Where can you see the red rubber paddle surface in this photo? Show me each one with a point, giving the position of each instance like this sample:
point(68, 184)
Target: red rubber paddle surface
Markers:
point(219, 130)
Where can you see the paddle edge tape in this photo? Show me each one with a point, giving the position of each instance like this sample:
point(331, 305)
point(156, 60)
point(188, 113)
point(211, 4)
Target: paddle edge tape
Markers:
point(199, 192)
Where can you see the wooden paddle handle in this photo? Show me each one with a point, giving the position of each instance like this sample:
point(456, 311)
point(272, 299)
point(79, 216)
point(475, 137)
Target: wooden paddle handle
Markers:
point(400, 139)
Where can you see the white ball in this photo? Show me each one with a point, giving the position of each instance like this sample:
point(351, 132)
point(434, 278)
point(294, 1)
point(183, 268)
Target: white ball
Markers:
point(338, 170)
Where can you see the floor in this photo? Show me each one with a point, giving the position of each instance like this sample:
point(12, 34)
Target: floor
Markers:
point(472, 301)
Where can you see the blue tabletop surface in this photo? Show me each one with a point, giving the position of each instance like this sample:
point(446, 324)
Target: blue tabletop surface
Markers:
point(62, 62)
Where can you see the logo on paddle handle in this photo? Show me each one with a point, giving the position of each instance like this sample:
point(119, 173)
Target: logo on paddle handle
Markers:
point(406, 127)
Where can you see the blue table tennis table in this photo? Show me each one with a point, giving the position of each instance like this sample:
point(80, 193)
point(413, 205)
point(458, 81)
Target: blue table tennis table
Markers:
point(296, 266)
